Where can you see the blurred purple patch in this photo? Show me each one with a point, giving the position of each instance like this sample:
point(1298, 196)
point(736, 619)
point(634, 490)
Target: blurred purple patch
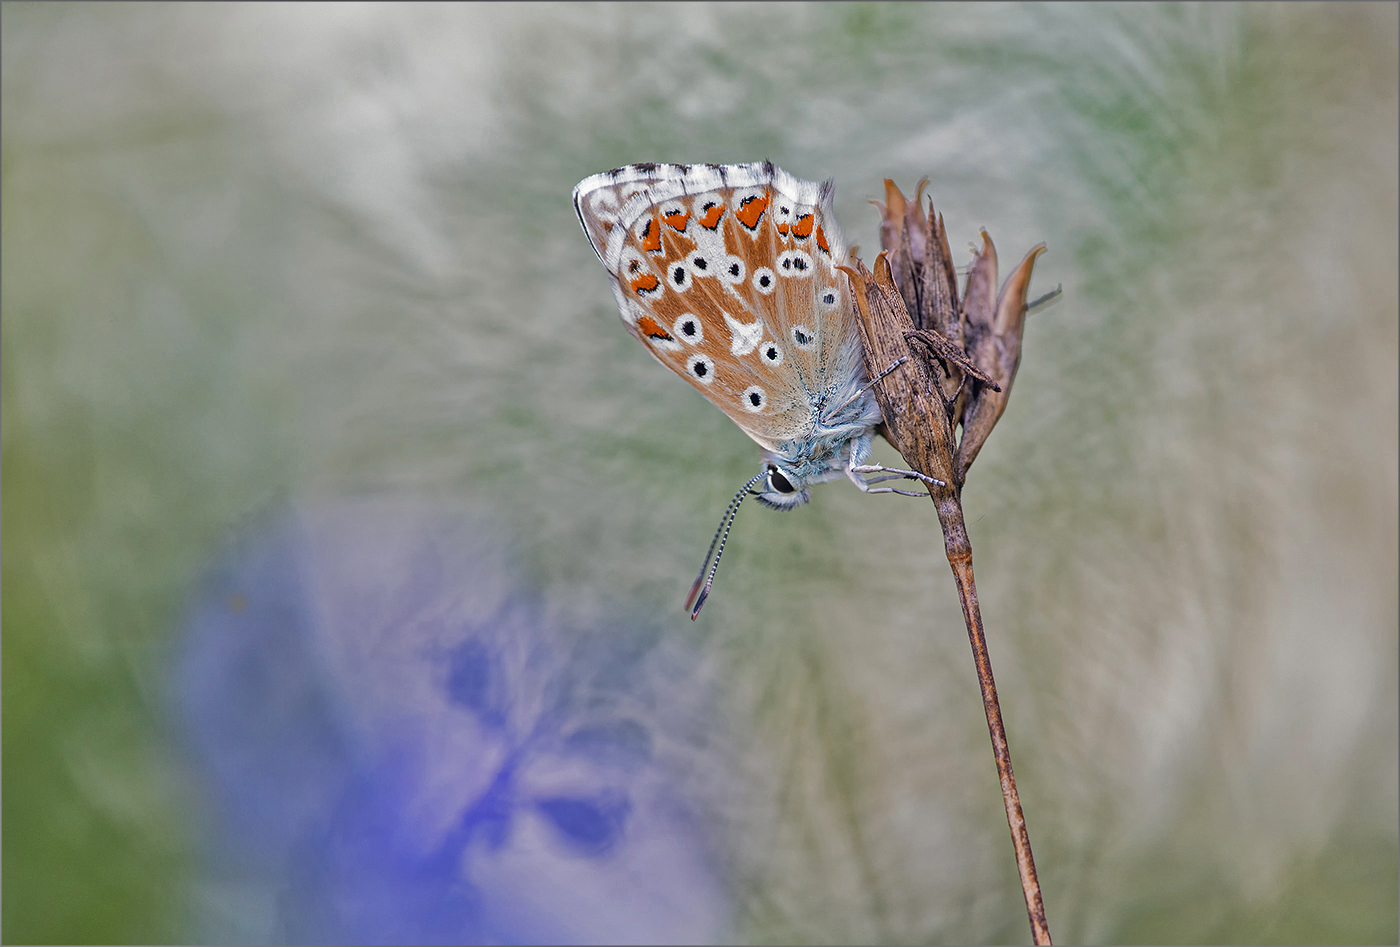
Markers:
point(400, 748)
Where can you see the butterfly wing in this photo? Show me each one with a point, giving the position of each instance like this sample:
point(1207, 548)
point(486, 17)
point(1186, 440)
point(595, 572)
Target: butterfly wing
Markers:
point(727, 274)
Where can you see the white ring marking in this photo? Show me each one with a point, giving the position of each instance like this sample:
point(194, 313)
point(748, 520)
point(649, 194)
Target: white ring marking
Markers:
point(693, 337)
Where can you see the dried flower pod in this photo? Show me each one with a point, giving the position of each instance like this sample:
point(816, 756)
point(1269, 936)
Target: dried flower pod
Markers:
point(919, 259)
point(972, 346)
point(994, 333)
point(904, 250)
point(913, 405)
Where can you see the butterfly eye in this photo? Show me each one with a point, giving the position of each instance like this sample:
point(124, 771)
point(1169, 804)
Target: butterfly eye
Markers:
point(772, 354)
point(778, 483)
point(688, 327)
point(828, 297)
point(754, 399)
point(680, 276)
point(732, 270)
point(763, 280)
point(699, 264)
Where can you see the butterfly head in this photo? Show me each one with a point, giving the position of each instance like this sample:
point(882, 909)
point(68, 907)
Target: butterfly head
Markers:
point(781, 488)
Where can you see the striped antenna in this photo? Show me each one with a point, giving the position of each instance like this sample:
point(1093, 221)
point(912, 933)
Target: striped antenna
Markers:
point(693, 602)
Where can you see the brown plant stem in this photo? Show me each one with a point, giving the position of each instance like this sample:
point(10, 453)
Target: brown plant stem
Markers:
point(959, 549)
point(917, 422)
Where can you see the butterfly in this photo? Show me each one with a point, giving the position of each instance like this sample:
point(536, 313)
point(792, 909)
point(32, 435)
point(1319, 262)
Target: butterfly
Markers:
point(728, 274)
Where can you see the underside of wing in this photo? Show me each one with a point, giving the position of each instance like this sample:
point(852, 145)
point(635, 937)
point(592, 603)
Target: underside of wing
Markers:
point(727, 273)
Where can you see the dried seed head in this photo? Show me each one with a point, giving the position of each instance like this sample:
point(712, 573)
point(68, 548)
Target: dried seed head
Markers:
point(971, 346)
point(914, 409)
point(997, 351)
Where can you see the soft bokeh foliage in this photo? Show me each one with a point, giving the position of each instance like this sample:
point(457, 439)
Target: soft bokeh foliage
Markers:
point(397, 746)
point(256, 255)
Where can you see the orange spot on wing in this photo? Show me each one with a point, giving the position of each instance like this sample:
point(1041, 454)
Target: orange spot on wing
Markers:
point(651, 236)
point(803, 227)
point(783, 228)
point(652, 329)
point(678, 219)
point(645, 283)
point(821, 240)
point(711, 218)
point(751, 210)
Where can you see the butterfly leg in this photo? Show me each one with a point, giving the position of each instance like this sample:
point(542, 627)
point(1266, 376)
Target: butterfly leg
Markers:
point(865, 485)
point(869, 385)
point(859, 450)
point(895, 474)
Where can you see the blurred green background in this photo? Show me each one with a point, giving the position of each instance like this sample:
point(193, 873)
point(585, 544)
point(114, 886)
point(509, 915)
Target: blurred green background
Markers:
point(255, 254)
